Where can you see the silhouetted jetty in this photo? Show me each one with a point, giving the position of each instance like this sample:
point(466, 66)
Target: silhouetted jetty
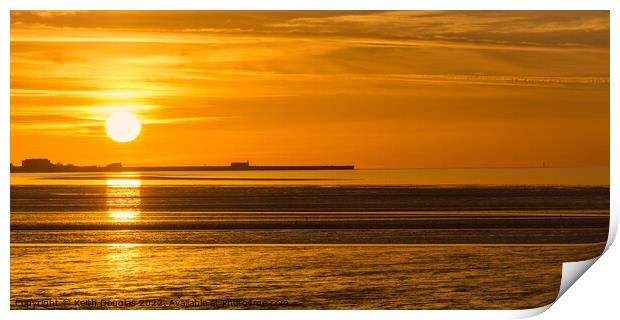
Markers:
point(45, 165)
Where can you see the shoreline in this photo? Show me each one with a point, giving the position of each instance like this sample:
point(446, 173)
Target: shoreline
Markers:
point(177, 168)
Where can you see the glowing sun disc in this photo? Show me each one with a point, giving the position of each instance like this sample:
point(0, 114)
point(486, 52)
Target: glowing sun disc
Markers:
point(123, 126)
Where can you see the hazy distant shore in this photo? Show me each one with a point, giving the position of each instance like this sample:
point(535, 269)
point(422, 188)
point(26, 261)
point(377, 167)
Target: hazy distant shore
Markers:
point(63, 168)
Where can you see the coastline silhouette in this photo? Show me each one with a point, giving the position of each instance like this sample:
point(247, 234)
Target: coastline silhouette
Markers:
point(45, 165)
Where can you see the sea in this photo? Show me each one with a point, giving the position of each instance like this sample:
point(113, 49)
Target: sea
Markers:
point(490, 238)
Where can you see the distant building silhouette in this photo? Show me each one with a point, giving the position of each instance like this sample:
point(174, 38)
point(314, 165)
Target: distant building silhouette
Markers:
point(240, 165)
point(116, 165)
point(37, 164)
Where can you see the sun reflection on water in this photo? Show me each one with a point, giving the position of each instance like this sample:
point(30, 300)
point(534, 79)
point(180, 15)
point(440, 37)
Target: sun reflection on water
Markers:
point(123, 197)
point(123, 216)
point(123, 182)
point(123, 244)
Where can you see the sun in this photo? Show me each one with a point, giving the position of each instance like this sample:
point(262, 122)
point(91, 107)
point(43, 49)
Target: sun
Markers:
point(123, 126)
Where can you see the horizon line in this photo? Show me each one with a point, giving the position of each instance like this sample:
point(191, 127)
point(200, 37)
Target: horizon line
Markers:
point(346, 165)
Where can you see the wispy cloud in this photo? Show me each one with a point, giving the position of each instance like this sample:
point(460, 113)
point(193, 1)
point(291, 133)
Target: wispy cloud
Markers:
point(545, 28)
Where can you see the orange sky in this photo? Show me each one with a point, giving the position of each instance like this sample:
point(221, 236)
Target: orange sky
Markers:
point(374, 89)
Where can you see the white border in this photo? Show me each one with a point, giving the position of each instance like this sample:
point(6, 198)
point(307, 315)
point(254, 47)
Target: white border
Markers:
point(567, 309)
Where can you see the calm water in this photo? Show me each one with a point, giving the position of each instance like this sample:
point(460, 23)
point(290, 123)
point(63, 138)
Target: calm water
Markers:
point(500, 176)
point(314, 277)
point(370, 239)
